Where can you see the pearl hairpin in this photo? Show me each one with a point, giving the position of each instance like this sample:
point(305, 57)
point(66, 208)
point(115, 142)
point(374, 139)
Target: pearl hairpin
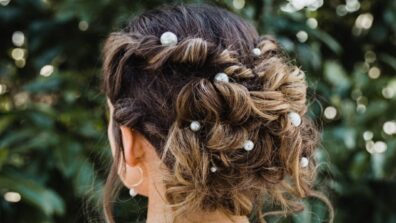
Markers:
point(248, 145)
point(222, 77)
point(256, 51)
point(168, 39)
point(213, 169)
point(295, 118)
point(304, 162)
point(195, 126)
point(301, 74)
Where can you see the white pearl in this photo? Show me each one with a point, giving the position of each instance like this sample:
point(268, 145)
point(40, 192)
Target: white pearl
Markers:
point(301, 74)
point(213, 169)
point(304, 162)
point(295, 118)
point(132, 192)
point(248, 145)
point(195, 126)
point(168, 39)
point(256, 51)
point(222, 77)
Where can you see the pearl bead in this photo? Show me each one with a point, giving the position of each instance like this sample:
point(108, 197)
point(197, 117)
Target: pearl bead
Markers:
point(223, 77)
point(304, 162)
point(213, 169)
point(248, 145)
point(295, 118)
point(256, 51)
point(301, 74)
point(195, 126)
point(132, 192)
point(168, 39)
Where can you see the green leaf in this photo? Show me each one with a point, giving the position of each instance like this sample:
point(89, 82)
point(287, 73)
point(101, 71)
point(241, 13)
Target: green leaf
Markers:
point(336, 75)
point(33, 193)
point(3, 156)
point(327, 40)
point(43, 84)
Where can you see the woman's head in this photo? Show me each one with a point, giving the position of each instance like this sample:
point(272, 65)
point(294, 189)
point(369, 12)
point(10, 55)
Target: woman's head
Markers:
point(157, 90)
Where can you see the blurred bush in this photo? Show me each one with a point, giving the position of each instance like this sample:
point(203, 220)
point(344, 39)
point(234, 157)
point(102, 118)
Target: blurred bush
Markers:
point(53, 142)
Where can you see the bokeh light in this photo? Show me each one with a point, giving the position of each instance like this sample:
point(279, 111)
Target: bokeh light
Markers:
point(3, 89)
point(364, 21)
point(238, 4)
point(312, 23)
point(374, 72)
point(388, 92)
point(12, 197)
point(302, 36)
point(47, 70)
point(4, 2)
point(18, 53)
point(389, 127)
point(370, 56)
point(296, 5)
point(379, 147)
point(352, 5)
point(83, 25)
point(330, 112)
point(18, 38)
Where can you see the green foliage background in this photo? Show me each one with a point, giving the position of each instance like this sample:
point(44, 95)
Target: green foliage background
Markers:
point(53, 141)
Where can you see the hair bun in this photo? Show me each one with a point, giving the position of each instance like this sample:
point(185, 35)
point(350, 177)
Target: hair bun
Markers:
point(222, 106)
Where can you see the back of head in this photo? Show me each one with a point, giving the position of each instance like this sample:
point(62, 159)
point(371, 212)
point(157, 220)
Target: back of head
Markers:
point(159, 90)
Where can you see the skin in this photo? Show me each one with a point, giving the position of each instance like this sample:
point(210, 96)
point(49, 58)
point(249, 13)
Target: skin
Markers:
point(140, 153)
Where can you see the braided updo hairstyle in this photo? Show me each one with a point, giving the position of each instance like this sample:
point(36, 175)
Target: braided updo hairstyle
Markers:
point(158, 90)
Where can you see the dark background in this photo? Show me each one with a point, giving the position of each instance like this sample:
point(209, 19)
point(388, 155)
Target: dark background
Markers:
point(53, 141)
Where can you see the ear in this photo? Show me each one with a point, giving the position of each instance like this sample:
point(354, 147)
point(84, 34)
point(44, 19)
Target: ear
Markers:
point(133, 144)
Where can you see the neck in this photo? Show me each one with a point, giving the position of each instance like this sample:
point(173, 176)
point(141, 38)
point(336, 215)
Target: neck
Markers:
point(159, 212)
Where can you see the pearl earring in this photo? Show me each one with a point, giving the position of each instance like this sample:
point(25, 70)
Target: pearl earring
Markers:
point(132, 191)
point(213, 169)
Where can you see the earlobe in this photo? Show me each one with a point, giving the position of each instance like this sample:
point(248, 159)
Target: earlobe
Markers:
point(132, 145)
point(133, 172)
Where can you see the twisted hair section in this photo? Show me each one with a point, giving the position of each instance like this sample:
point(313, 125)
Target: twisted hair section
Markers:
point(159, 90)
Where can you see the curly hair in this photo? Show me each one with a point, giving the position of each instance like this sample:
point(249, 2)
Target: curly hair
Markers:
point(159, 90)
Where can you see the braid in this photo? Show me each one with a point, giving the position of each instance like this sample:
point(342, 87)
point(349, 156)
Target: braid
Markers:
point(250, 131)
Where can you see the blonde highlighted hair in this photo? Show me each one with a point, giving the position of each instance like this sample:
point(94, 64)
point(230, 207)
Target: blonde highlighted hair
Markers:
point(158, 90)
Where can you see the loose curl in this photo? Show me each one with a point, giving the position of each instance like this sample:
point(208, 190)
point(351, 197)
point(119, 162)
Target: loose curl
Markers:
point(158, 90)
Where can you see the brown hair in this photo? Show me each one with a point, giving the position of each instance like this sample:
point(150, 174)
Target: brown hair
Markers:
point(158, 90)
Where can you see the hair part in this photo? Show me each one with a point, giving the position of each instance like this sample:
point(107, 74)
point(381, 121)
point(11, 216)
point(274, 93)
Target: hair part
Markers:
point(158, 90)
